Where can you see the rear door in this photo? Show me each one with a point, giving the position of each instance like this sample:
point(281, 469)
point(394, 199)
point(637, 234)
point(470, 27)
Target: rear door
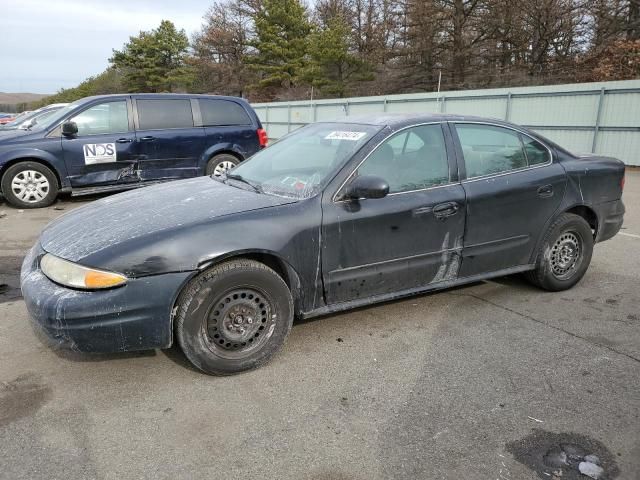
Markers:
point(228, 125)
point(104, 152)
point(406, 240)
point(169, 143)
point(513, 188)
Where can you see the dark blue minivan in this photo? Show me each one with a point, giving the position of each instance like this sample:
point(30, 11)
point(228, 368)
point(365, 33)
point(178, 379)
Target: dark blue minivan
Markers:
point(117, 142)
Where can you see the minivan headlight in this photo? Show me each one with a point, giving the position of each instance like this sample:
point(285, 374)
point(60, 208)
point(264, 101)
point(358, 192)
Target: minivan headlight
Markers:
point(73, 275)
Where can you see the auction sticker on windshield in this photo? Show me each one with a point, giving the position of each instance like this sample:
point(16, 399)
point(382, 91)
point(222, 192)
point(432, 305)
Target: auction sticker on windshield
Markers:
point(99, 153)
point(353, 136)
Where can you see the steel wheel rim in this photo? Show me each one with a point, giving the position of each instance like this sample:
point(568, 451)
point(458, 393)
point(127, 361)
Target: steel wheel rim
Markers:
point(566, 255)
point(223, 167)
point(30, 186)
point(239, 322)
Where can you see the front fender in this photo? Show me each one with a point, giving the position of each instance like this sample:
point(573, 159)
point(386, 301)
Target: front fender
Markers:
point(43, 156)
point(268, 257)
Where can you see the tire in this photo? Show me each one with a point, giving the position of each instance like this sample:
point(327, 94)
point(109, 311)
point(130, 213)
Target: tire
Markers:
point(219, 164)
point(564, 255)
point(29, 185)
point(233, 317)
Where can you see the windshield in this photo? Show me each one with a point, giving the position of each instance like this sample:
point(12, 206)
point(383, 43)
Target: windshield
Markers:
point(58, 115)
point(44, 118)
point(300, 164)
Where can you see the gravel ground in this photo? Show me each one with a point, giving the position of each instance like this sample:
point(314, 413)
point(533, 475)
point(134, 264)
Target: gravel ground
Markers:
point(477, 382)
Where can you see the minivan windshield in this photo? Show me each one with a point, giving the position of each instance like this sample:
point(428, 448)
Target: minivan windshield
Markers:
point(59, 114)
point(300, 163)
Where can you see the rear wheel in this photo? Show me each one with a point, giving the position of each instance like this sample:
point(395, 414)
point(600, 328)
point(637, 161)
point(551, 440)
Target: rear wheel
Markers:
point(29, 185)
point(565, 254)
point(220, 164)
point(234, 317)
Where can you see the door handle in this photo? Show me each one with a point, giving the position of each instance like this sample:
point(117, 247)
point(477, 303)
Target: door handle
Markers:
point(444, 210)
point(147, 139)
point(545, 191)
point(124, 140)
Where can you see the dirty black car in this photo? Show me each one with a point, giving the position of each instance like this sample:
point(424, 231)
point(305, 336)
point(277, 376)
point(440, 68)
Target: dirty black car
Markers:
point(335, 215)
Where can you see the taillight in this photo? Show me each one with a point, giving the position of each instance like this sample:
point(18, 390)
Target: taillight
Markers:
point(622, 183)
point(262, 137)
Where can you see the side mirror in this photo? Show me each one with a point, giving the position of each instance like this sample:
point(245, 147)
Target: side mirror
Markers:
point(69, 129)
point(367, 186)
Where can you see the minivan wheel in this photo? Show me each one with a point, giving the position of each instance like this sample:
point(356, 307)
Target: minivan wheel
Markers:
point(564, 255)
point(220, 164)
point(29, 185)
point(233, 317)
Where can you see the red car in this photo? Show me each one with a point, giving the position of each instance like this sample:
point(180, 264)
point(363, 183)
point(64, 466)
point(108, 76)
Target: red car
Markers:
point(6, 119)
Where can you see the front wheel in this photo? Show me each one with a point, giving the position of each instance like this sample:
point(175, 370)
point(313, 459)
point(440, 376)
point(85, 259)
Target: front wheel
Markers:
point(221, 164)
point(565, 254)
point(29, 185)
point(233, 317)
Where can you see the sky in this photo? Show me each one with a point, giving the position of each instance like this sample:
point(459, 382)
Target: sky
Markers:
point(46, 45)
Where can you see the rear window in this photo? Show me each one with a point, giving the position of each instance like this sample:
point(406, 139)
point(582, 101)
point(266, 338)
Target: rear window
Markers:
point(223, 112)
point(170, 113)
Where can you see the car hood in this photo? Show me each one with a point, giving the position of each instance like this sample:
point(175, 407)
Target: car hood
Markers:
point(11, 132)
point(147, 214)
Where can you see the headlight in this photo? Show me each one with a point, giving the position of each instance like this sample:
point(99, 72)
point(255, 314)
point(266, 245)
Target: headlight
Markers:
point(76, 276)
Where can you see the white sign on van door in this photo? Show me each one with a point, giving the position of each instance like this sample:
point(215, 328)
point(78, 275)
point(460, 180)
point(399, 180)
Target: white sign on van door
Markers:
point(99, 153)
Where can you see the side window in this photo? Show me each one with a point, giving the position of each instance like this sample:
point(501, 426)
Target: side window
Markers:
point(222, 113)
point(536, 152)
point(170, 113)
point(414, 159)
point(104, 118)
point(488, 149)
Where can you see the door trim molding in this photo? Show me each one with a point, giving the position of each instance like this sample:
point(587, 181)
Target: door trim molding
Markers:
point(361, 302)
point(393, 260)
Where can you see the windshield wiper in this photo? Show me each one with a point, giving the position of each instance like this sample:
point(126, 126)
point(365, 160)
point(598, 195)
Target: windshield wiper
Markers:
point(240, 178)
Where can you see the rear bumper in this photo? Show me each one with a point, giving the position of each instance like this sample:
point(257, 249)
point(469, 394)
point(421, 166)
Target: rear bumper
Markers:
point(611, 216)
point(136, 316)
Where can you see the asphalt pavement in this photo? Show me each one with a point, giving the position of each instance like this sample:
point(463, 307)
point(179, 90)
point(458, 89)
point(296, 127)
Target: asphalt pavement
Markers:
point(477, 382)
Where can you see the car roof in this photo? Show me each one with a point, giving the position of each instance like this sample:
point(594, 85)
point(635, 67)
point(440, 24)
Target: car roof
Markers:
point(398, 120)
point(160, 95)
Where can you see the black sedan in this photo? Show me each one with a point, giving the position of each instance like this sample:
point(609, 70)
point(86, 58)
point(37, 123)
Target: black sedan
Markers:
point(333, 216)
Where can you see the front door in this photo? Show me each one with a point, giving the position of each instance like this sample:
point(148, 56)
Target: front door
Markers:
point(407, 240)
point(513, 188)
point(168, 142)
point(104, 150)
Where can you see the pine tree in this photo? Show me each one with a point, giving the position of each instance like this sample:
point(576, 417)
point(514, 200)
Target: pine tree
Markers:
point(155, 61)
point(281, 30)
point(332, 67)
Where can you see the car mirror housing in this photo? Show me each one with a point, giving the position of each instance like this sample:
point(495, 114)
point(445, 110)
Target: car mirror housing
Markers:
point(367, 186)
point(69, 129)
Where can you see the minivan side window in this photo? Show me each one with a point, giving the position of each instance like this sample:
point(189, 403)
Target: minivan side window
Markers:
point(413, 159)
point(156, 114)
point(103, 118)
point(489, 149)
point(222, 113)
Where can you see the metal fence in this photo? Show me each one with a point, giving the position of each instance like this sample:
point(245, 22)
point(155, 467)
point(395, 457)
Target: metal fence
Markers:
point(601, 118)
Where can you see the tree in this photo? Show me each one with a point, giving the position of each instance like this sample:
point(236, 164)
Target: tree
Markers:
point(420, 51)
point(105, 83)
point(620, 60)
point(280, 44)
point(332, 67)
point(155, 61)
point(220, 49)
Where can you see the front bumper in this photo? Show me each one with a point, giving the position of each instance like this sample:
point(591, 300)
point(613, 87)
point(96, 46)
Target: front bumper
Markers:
point(136, 316)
